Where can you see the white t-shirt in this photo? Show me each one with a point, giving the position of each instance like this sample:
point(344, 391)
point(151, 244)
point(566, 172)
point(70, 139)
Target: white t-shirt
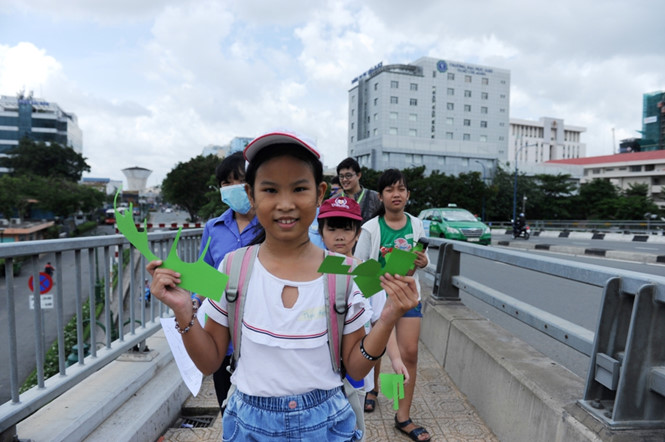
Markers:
point(284, 351)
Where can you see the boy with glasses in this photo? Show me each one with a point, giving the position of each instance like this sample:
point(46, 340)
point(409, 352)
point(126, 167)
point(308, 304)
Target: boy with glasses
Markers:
point(348, 172)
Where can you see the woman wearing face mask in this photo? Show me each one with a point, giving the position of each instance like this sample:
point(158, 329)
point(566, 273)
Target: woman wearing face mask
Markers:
point(234, 228)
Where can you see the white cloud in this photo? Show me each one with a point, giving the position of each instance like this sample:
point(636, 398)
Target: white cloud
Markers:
point(25, 67)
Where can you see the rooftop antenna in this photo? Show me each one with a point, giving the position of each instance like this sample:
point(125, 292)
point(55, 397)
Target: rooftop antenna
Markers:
point(613, 143)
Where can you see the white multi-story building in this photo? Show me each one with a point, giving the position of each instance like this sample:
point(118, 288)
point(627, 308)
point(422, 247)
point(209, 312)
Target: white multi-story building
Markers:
point(544, 140)
point(625, 169)
point(442, 114)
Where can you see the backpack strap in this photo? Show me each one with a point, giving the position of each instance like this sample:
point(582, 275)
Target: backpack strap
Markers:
point(336, 290)
point(239, 265)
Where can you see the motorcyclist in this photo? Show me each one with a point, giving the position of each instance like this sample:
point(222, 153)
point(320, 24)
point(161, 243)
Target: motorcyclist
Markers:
point(520, 225)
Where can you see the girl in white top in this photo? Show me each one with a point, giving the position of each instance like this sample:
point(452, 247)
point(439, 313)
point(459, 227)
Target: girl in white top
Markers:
point(286, 384)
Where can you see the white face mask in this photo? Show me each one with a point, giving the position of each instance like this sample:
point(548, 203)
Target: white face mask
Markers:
point(236, 198)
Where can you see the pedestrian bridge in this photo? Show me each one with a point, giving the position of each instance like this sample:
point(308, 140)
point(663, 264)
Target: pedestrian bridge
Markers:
point(125, 385)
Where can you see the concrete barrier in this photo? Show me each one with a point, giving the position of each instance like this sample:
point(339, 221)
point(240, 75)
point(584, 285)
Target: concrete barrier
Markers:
point(132, 398)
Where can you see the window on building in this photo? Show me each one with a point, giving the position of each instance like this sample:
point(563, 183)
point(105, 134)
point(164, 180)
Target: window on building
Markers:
point(433, 113)
point(483, 138)
point(450, 106)
point(467, 93)
point(450, 120)
point(393, 115)
point(353, 125)
point(483, 109)
point(483, 124)
point(433, 98)
point(376, 86)
point(376, 101)
point(413, 117)
point(433, 74)
point(485, 80)
point(413, 86)
point(636, 168)
point(393, 100)
point(502, 110)
point(392, 131)
point(467, 122)
point(648, 167)
point(449, 135)
point(413, 133)
point(451, 91)
point(376, 117)
point(484, 95)
point(466, 137)
point(352, 138)
point(503, 81)
point(467, 108)
point(467, 78)
point(385, 157)
point(502, 96)
point(353, 98)
point(413, 102)
point(375, 132)
point(451, 76)
point(394, 84)
point(353, 112)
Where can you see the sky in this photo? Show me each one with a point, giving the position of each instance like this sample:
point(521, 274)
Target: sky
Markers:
point(154, 81)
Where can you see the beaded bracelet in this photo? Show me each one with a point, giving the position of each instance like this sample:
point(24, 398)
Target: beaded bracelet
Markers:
point(367, 355)
point(195, 307)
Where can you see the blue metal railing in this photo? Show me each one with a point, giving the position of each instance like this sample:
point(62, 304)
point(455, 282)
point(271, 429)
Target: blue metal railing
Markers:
point(127, 320)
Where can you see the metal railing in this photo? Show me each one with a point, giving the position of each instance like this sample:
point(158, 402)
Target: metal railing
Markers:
point(625, 385)
point(599, 226)
point(102, 269)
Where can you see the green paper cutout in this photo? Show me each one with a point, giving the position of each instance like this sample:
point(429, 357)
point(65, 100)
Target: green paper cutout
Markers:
point(366, 275)
point(197, 276)
point(392, 387)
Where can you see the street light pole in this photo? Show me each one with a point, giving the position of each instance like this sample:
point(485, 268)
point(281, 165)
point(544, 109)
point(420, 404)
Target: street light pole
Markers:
point(482, 210)
point(517, 150)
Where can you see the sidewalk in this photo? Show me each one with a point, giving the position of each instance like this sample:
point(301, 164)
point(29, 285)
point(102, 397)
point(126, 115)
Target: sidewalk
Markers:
point(438, 406)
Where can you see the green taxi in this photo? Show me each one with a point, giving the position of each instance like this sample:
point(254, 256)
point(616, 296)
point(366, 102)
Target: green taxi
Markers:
point(454, 223)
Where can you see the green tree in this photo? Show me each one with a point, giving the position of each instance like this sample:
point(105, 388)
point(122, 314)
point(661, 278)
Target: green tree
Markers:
point(597, 200)
point(39, 159)
point(551, 197)
point(187, 184)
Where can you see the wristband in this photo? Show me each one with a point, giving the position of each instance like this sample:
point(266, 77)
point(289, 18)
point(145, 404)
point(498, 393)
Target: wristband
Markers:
point(195, 307)
point(367, 355)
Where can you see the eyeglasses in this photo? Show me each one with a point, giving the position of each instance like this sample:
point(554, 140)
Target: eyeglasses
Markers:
point(346, 176)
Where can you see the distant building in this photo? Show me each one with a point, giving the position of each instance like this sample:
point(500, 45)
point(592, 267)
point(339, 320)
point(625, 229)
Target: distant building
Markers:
point(39, 120)
point(106, 185)
point(653, 121)
point(624, 169)
point(442, 114)
point(544, 140)
point(236, 144)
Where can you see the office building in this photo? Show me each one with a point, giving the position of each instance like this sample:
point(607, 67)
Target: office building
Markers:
point(653, 121)
point(446, 115)
point(235, 145)
point(40, 120)
point(544, 140)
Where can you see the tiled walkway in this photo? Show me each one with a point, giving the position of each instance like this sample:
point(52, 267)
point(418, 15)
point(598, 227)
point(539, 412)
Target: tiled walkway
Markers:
point(437, 405)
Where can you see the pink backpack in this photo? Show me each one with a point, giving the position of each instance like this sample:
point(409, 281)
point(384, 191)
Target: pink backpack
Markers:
point(239, 265)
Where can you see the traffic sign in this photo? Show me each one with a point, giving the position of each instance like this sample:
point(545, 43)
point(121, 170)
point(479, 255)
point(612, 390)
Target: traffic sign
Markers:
point(46, 301)
point(45, 283)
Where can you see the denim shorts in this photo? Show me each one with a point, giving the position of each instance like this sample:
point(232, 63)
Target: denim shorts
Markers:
point(416, 312)
point(317, 415)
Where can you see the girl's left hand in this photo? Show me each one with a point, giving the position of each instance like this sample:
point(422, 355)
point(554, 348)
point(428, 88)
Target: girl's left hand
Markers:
point(402, 295)
point(421, 260)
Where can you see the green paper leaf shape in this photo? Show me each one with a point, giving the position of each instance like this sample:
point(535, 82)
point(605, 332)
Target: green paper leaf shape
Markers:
point(197, 276)
point(392, 387)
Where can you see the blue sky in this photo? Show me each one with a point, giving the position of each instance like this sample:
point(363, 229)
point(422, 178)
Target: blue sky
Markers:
point(153, 82)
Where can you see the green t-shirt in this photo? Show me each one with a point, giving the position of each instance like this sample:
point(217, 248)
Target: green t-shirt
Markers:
point(394, 239)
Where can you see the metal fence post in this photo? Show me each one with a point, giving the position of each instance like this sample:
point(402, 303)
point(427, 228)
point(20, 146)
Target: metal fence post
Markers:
point(447, 267)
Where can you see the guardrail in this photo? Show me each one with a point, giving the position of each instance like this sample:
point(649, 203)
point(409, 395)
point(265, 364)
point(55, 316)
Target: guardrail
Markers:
point(124, 308)
point(625, 385)
point(602, 226)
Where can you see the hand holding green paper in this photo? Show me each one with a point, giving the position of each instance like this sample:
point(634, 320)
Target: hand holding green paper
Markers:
point(392, 387)
point(398, 262)
point(197, 276)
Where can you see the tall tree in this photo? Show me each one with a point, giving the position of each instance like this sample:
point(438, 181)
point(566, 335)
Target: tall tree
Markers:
point(187, 184)
point(30, 157)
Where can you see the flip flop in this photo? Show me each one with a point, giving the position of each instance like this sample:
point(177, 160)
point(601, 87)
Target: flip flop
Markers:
point(413, 434)
point(370, 404)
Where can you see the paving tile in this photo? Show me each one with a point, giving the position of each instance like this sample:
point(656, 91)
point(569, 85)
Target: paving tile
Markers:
point(437, 405)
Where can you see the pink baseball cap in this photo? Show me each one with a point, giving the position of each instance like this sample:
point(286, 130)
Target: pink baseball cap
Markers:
point(279, 136)
point(342, 207)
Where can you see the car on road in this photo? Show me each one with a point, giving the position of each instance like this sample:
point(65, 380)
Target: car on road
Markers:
point(453, 222)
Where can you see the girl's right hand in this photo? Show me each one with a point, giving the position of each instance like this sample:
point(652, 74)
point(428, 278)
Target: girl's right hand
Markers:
point(165, 288)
